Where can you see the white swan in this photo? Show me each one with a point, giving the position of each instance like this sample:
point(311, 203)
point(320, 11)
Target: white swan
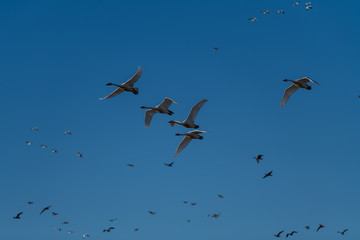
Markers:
point(187, 139)
point(299, 83)
point(127, 86)
point(189, 122)
point(161, 108)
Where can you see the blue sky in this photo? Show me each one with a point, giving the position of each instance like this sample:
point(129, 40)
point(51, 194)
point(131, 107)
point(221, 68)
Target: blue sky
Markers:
point(57, 56)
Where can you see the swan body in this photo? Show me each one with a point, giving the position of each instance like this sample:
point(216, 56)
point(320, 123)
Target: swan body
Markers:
point(189, 122)
point(187, 139)
point(299, 83)
point(128, 86)
point(163, 108)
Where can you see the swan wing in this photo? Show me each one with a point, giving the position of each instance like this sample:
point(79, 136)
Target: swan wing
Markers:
point(306, 80)
point(134, 78)
point(194, 111)
point(166, 103)
point(288, 92)
point(148, 117)
point(182, 145)
point(113, 94)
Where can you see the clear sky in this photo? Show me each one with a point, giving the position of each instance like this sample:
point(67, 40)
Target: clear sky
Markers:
point(57, 56)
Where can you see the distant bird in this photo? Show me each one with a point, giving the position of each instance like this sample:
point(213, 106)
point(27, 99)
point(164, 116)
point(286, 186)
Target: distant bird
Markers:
point(185, 202)
point(265, 12)
point(28, 143)
point(18, 215)
point(58, 229)
point(296, 4)
point(67, 133)
point(69, 232)
point(79, 155)
point(127, 86)
point(187, 139)
point(343, 232)
point(113, 219)
point(45, 209)
point(193, 204)
point(136, 229)
point(65, 223)
point(29, 202)
point(109, 229)
point(131, 165)
point(298, 83)
point(252, 19)
point(269, 174)
point(216, 215)
point(220, 196)
point(54, 151)
point(43, 146)
point(307, 227)
point(163, 108)
point(35, 129)
point(54, 214)
point(320, 227)
point(308, 8)
point(308, 3)
point(85, 235)
point(290, 234)
point(189, 122)
point(215, 48)
point(169, 164)
point(188, 220)
point(152, 213)
point(278, 235)
point(258, 158)
point(280, 11)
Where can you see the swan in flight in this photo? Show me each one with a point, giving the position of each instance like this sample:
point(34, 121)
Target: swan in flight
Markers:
point(189, 122)
point(187, 139)
point(127, 86)
point(298, 83)
point(161, 108)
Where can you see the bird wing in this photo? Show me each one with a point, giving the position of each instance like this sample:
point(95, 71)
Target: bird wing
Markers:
point(113, 94)
point(306, 80)
point(288, 92)
point(134, 78)
point(194, 111)
point(18, 215)
point(166, 103)
point(197, 131)
point(182, 145)
point(148, 117)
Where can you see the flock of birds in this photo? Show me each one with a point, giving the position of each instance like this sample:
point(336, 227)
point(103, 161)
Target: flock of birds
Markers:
point(189, 122)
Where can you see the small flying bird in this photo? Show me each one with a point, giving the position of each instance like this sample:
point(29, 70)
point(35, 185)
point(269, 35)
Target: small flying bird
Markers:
point(308, 3)
point(280, 11)
point(43, 146)
point(45, 209)
point(220, 196)
point(113, 219)
point(136, 229)
point(215, 48)
point(58, 229)
point(269, 174)
point(290, 234)
point(35, 129)
point(185, 202)
point(18, 215)
point(29, 202)
point(258, 158)
point(70, 232)
point(343, 232)
point(169, 164)
point(131, 165)
point(252, 19)
point(320, 227)
point(79, 155)
point(54, 214)
point(152, 213)
point(163, 108)
point(28, 143)
point(109, 229)
point(189, 122)
point(187, 139)
point(193, 204)
point(278, 235)
point(85, 235)
point(67, 133)
point(188, 220)
point(127, 86)
point(216, 215)
point(65, 223)
point(308, 8)
point(298, 83)
point(307, 227)
point(296, 4)
point(54, 151)
point(265, 12)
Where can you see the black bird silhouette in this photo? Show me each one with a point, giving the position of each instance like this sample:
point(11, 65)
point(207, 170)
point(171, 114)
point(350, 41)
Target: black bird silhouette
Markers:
point(343, 232)
point(58, 229)
point(136, 229)
point(169, 164)
point(290, 234)
point(216, 48)
point(269, 174)
point(185, 202)
point(54, 213)
point(188, 220)
point(307, 227)
point(320, 227)
point(109, 229)
point(131, 165)
point(65, 222)
point(18, 215)
point(113, 219)
point(216, 215)
point(193, 204)
point(258, 158)
point(278, 235)
point(152, 213)
point(45, 209)
point(29, 202)
point(79, 154)
point(220, 196)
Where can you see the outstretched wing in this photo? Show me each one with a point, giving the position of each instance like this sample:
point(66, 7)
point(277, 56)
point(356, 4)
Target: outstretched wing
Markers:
point(166, 103)
point(113, 94)
point(194, 111)
point(148, 117)
point(288, 92)
point(306, 80)
point(134, 78)
point(182, 145)
point(198, 131)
